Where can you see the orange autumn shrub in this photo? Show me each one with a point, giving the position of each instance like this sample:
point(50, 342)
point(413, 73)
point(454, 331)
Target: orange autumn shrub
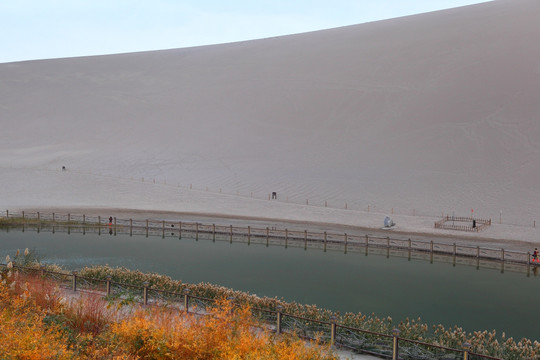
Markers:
point(23, 332)
point(223, 334)
point(88, 314)
point(38, 322)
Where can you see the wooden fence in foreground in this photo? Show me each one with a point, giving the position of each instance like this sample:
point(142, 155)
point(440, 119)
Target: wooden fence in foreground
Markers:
point(354, 339)
point(325, 240)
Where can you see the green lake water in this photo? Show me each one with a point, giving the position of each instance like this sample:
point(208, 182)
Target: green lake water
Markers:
point(438, 292)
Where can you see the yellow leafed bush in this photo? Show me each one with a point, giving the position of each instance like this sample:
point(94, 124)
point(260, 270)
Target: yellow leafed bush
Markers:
point(36, 323)
point(223, 334)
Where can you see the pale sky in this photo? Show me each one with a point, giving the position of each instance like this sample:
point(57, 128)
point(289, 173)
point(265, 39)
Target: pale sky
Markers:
point(39, 29)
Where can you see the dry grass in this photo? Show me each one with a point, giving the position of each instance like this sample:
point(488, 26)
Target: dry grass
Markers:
point(90, 325)
point(36, 322)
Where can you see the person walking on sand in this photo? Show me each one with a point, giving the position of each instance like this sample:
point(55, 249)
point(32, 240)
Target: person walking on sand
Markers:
point(535, 255)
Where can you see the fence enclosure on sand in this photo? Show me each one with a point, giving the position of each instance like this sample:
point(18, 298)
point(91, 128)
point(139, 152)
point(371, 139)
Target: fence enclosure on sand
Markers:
point(472, 224)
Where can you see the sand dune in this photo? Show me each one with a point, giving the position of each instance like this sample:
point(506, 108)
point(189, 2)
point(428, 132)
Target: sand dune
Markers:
point(433, 113)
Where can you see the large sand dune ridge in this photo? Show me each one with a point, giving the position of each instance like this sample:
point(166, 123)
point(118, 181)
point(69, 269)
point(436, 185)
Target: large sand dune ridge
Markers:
point(437, 112)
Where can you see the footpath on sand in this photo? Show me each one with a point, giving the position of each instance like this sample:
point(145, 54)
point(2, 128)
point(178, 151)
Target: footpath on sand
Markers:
point(346, 355)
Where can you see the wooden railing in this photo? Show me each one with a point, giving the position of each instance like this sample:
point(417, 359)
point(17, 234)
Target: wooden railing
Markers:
point(359, 340)
point(325, 240)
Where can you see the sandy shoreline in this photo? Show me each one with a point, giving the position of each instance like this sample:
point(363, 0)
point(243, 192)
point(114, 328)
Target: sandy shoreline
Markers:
point(419, 115)
point(416, 118)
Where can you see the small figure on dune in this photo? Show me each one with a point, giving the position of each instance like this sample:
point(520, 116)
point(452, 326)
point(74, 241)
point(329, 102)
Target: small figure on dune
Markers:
point(274, 195)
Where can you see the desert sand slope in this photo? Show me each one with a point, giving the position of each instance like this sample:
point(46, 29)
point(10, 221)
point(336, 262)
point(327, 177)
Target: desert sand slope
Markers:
point(433, 113)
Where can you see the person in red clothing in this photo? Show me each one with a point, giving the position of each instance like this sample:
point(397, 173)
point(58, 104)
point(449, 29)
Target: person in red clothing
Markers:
point(535, 255)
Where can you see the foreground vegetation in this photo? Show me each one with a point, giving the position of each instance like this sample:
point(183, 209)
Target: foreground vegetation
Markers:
point(482, 342)
point(37, 322)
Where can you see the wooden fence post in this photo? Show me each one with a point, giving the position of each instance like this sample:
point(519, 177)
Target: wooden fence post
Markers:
point(467, 348)
point(325, 238)
point(267, 235)
point(286, 237)
point(279, 314)
point(109, 286)
point(186, 300)
point(395, 344)
point(345, 243)
point(74, 281)
point(145, 293)
point(333, 331)
point(305, 239)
